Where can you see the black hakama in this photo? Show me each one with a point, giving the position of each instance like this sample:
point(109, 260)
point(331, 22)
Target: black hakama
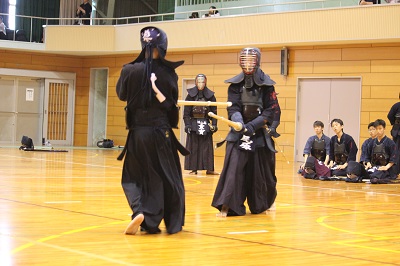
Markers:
point(246, 175)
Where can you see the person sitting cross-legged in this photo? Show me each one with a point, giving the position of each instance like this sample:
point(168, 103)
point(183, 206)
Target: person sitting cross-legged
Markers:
point(343, 149)
point(316, 154)
point(382, 155)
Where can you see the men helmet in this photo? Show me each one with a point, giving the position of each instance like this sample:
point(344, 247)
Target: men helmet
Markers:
point(249, 59)
point(153, 37)
point(201, 81)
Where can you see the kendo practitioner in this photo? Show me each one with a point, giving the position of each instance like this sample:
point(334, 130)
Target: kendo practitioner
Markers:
point(382, 155)
point(249, 165)
point(152, 174)
point(364, 146)
point(394, 118)
point(343, 149)
point(356, 171)
point(316, 153)
point(84, 12)
point(200, 128)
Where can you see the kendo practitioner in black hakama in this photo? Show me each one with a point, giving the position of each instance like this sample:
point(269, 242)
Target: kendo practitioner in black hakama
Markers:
point(249, 166)
point(199, 128)
point(394, 118)
point(152, 174)
point(381, 155)
point(356, 171)
point(343, 149)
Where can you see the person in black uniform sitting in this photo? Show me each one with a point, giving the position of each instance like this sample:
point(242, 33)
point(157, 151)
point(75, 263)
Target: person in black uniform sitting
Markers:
point(343, 149)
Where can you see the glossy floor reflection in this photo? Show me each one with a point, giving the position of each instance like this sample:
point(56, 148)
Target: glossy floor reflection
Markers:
point(69, 209)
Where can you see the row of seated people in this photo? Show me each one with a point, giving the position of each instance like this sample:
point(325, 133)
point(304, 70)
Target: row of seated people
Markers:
point(20, 35)
point(334, 158)
point(7, 34)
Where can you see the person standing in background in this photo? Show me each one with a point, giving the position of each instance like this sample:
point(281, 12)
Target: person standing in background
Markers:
point(200, 128)
point(394, 118)
point(84, 12)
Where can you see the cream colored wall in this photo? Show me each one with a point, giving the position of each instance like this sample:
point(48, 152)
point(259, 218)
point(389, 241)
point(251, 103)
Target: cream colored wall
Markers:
point(371, 51)
point(346, 25)
point(378, 65)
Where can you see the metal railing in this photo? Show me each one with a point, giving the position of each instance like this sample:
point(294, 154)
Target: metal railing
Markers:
point(35, 33)
point(200, 2)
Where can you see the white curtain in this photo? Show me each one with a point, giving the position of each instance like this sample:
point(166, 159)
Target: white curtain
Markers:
point(68, 10)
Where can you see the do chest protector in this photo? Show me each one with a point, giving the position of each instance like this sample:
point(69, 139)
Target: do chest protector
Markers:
point(252, 103)
point(318, 149)
point(379, 155)
point(340, 153)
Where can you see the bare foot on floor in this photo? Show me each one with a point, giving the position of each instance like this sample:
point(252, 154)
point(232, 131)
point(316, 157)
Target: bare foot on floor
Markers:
point(272, 208)
point(133, 226)
point(224, 212)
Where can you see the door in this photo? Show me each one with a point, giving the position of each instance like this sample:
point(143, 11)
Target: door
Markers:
point(325, 99)
point(20, 109)
point(29, 112)
point(58, 111)
point(7, 110)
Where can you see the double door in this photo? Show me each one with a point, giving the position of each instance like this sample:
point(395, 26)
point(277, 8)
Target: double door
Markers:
point(36, 107)
point(325, 99)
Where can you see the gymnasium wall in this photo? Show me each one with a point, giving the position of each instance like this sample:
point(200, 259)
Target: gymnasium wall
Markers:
point(370, 52)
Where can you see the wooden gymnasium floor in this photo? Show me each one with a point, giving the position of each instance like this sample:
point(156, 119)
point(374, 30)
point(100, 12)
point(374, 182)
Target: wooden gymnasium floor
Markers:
point(69, 209)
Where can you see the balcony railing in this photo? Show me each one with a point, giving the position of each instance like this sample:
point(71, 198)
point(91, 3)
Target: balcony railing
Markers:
point(31, 28)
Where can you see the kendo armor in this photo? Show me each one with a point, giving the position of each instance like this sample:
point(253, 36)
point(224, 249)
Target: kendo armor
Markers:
point(152, 37)
point(200, 111)
point(309, 168)
point(252, 104)
point(318, 149)
point(379, 155)
point(397, 119)
point(249, 62)
point(340, 153)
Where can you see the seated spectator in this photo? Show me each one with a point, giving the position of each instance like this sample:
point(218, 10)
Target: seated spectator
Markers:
point(317, 145)
point(369, 2)
point(364, 146)
point(316, 154)
point(356, 171)
point(382, 155)
point(213, 12)
point(194, 15)
point(343, 149)
point(3, 33)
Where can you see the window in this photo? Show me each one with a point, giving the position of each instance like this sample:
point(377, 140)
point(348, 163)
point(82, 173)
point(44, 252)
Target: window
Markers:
point(11, 17)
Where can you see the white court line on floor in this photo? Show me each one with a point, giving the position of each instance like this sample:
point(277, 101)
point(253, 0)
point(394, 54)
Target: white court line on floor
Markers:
point(61, 202)
point(247, 232)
